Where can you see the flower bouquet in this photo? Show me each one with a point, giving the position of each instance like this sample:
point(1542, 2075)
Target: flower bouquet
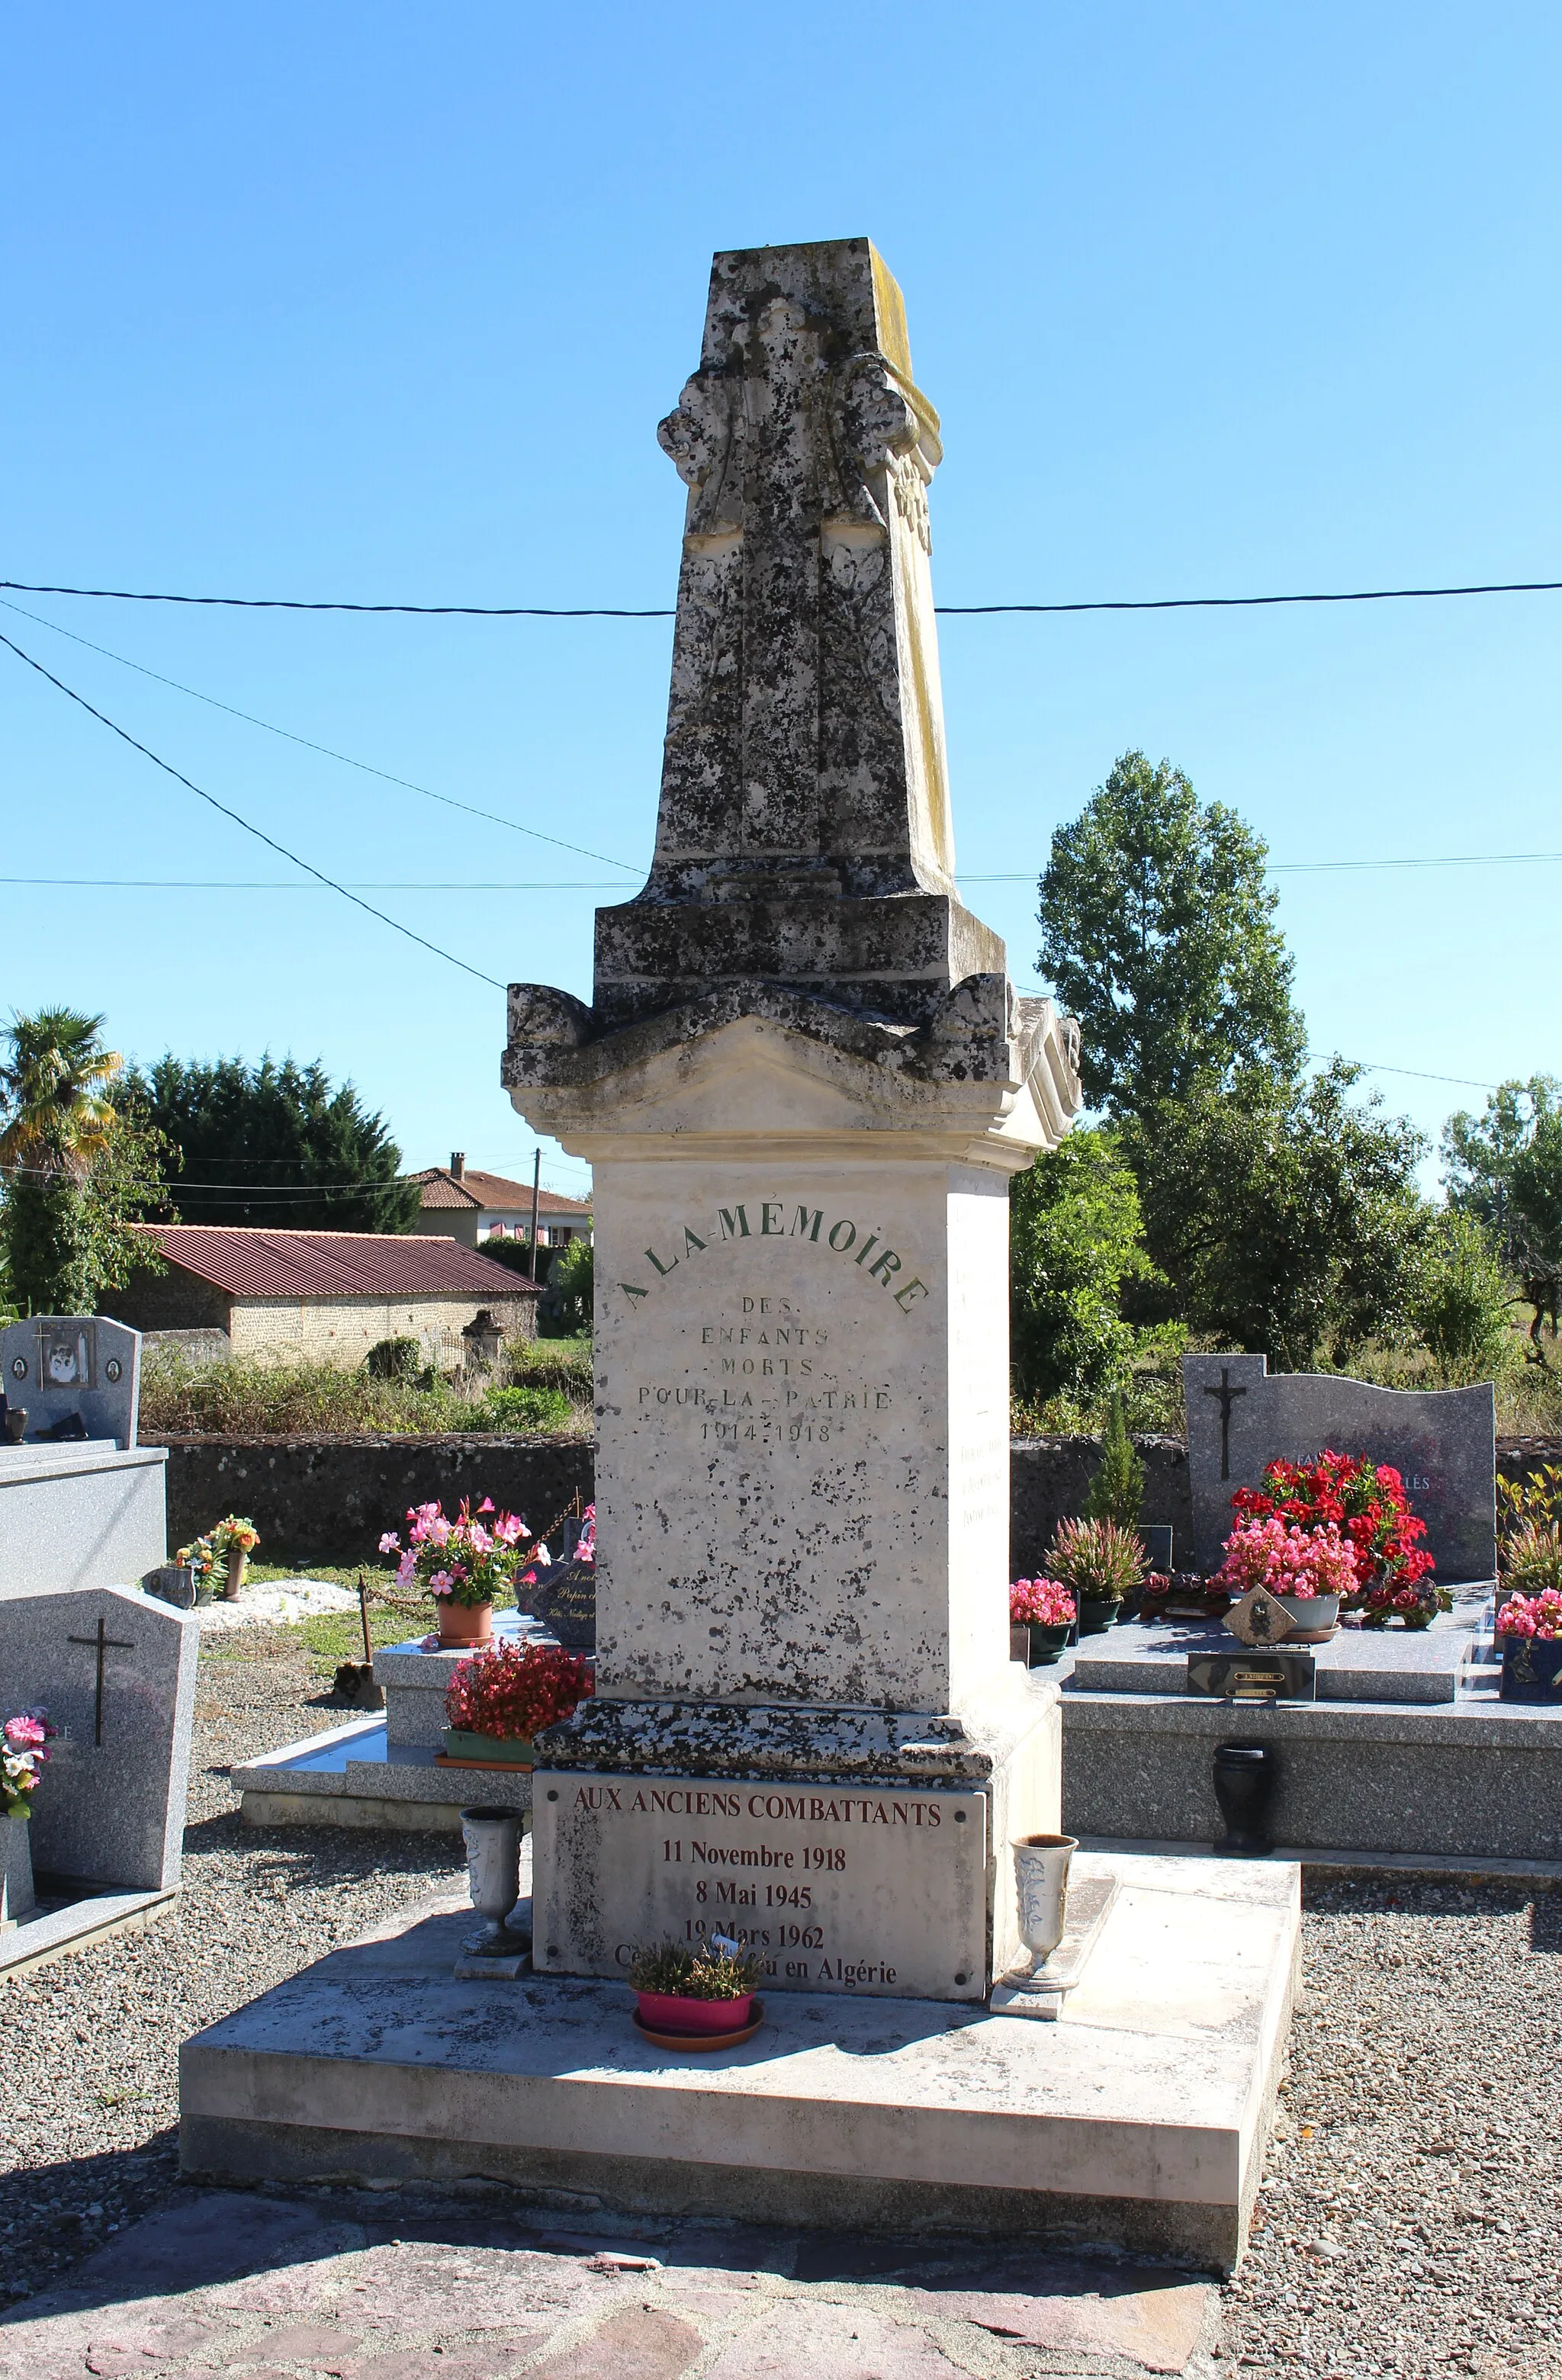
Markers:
point(23, 1752)
point(1365, 1502)
point(466, 1564)
point(496, 1702)
point(1182, 1595)
point(1307, 1571)
point(696, 1996)
point(1531, 1627)
point(1048, 1611)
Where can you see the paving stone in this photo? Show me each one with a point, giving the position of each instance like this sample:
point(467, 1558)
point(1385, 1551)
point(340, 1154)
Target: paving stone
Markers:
point(1156, 2328)
point(307, 2342)
point(639, 2343)
point(827, 2342)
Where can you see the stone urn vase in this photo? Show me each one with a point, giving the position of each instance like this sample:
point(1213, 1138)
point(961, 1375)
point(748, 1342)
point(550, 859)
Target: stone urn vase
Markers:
point(16, 1898)
point(15, 1425)
point(464, 1624)
point(1040, 1876)
point(238, 1563)
point(493, 1840)
point(1245, 1779)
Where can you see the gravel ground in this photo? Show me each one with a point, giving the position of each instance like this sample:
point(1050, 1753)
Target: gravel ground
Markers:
point(1408, 2224)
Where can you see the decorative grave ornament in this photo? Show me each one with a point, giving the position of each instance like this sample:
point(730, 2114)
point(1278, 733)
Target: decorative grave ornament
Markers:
point(1259, 1618)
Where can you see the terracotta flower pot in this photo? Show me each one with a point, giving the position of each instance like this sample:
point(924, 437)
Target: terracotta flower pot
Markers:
point(671, 2012)
point(464, 1624)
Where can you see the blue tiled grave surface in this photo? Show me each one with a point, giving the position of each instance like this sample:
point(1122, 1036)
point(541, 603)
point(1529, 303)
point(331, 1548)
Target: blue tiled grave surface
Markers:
point(1359, 1665)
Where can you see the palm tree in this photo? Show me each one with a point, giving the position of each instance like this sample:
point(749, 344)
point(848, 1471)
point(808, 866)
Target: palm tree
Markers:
point(56, 1116)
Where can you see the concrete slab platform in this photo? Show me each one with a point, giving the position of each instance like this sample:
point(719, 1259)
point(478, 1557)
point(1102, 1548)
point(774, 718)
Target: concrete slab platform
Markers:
point(350, 1776)
point(1359, 1665)
point(1139, 2117)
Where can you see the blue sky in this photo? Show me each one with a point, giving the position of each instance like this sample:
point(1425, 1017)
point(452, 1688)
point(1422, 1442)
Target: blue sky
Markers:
point(385, 302)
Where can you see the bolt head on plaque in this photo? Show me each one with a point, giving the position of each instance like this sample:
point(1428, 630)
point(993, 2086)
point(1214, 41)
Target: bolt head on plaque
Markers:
point(1259, 1618)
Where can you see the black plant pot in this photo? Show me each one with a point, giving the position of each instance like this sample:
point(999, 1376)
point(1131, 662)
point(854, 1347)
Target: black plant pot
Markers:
point(1245, 1777)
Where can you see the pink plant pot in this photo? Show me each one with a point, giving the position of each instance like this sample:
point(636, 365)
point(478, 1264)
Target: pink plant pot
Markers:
point(670, 2012)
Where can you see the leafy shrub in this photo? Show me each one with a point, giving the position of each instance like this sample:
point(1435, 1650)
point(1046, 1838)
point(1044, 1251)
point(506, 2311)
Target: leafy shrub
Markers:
point(526, 1406)
point(1532, 1558)
point(565, 1310)
point(1460, 1304)
point(393, 1359)
point(1116, 1493)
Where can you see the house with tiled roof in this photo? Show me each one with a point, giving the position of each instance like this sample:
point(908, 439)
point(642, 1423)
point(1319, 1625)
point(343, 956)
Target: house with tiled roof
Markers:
point(471, 1207)
point(327, 1296)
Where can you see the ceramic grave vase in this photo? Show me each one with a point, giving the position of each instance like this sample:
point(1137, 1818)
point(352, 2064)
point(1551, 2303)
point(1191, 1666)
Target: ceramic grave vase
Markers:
point(1040, 1876)
point(16, 1871)
point(238, 1563)
point(1245, 1779)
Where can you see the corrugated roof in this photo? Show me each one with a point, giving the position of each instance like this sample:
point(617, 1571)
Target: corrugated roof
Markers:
point(441, 1189)
point(248, 1261)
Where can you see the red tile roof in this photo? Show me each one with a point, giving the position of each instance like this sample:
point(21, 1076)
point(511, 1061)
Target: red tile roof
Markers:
point(251, 1262)
point(441, 1189)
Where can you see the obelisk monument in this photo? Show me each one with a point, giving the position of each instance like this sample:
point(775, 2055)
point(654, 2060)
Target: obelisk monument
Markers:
point(803, 1083)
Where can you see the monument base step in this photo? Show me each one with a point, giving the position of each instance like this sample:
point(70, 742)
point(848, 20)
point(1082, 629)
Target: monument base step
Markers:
point(90, 1915)
point(1137, 2118)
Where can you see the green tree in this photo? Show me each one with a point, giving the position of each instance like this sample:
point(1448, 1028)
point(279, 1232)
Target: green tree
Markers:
point(275, 1144)
point(564, 1308)
point(78, 1173)
point(1159, 935)
point(1117, 1493)
point(1505, 1169)
point(1460, 1301)
point(1284, 1215)
point(1074, 1240)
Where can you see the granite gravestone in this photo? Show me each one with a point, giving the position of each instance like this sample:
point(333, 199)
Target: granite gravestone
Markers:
point(563, 1600)
point(67, 1366)
point(1442, 1442)
point(114, 1671)
point(803, 1083)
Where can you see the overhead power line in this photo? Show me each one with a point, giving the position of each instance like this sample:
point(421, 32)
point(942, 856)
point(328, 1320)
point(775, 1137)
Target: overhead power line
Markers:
point(617, 612)
point(494, 817)
point(261, 836)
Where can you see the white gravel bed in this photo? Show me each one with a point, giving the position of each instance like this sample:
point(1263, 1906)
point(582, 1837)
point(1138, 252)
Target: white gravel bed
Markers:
point(1408, 2224)
point(282, 1600)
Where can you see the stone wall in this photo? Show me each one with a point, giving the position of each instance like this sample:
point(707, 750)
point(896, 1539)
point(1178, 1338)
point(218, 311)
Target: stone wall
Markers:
point(342, 1329)
point(328, 1500)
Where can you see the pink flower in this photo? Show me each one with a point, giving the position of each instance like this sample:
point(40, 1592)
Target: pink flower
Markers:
point(390, 1543)
point(486, 1505)
point(1040, 1602)
point(24, 1733)
point(440, 1583)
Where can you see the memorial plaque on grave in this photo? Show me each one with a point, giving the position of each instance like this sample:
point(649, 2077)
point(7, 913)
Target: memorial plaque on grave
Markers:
point(840, 1889)
point(802, 1084)
point(563, 1598)
point(1253, 1677)
point(1442, 1442)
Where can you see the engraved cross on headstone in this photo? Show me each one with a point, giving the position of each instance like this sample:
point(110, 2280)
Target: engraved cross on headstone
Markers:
point(1227, 1394)
point(102, 1642)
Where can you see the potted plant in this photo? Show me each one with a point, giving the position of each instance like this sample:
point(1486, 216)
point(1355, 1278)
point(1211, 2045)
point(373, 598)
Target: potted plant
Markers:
point(1307, 1572)
point(1367, 1503)
point(1099, 1562)
point(1047, 1611)
point(704, 1991)
point(24, 1751)
point(465, 1564)
point(1530, 1621)
point(497, 1701)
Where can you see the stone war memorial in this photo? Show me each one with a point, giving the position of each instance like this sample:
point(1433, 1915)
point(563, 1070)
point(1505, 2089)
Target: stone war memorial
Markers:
point(803, 1083)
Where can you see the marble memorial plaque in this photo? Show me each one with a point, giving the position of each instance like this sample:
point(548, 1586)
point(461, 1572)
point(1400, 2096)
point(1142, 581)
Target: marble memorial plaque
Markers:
point(1257, 1677)
point(840, 1887)
point(1442, 1442)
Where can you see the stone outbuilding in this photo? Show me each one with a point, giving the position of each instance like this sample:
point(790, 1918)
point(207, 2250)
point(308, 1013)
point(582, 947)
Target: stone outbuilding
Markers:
point(324, 1297)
